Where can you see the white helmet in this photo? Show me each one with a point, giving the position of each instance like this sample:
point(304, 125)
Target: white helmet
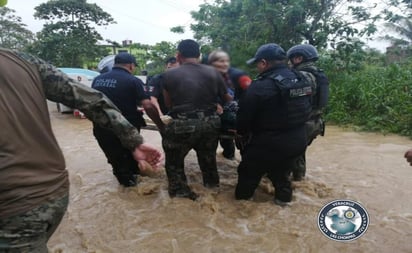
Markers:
point(106, 64)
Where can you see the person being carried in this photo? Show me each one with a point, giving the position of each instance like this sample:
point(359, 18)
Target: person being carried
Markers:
point(237, 82)
point(190, 93)
point(126, 92)
point(303, 58)
point(34, 188)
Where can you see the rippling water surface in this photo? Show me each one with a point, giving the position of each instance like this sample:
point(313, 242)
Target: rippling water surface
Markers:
point(105, 217)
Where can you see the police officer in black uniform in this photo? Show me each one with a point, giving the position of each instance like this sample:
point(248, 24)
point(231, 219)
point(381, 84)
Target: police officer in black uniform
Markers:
point(271, 122)
point(303, 58)
point(126, 92)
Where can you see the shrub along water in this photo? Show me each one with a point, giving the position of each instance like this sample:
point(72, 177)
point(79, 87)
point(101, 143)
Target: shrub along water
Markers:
point(374, 98)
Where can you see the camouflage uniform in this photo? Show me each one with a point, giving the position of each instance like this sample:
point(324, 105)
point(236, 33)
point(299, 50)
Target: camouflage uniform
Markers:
point(314, 126)
point(29, 214)
point(188, 131)
point(29, 232)
point(191, 92)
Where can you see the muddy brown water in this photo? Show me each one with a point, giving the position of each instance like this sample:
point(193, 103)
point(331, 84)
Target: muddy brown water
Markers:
point(105, 217)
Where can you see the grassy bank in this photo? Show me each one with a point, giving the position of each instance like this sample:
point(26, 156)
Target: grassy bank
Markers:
point(375, 98)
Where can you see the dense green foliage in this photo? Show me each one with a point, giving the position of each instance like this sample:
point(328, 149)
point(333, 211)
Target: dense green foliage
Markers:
point(13, 33)
point(373, 91)
point(69, 37)
point(240, 26)
point(373, 98)
point(155, 56)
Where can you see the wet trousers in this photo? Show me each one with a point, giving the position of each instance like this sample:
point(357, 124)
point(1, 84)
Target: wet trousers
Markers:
point(251, 171)
point(183, 135)
point(270, 153)
point(228, 146)
point(313, 127)
point(125, 168)
point(29, 232)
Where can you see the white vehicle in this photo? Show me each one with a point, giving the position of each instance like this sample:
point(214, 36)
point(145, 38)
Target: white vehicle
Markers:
point(83, 76)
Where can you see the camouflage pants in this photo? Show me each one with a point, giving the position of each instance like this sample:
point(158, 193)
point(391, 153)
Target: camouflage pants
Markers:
point(29, 232)
point(314, 127)
point(179, 138)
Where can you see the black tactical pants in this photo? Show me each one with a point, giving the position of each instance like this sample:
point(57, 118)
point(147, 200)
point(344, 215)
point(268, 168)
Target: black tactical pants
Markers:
point(269, 153)
point(179, 138)
point(251, 171)
point(228, 146)
point(125, 168)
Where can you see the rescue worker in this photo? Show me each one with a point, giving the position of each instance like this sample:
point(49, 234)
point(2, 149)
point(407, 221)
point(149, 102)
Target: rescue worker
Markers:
point(34, 182)
point(303, 58)
point(271, 119)
point(237, 81)
point(126, 92)
point(155, 87)
point(190, 93)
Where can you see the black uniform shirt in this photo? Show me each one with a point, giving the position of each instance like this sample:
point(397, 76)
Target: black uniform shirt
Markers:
point(259, 107)
point(123, 89)
point(156, 90)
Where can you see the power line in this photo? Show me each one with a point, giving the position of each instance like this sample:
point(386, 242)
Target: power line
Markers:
point(178, 5)
point(134, 17)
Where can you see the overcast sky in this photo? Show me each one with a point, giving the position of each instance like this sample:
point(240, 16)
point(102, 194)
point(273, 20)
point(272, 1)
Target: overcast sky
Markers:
point(141, 21)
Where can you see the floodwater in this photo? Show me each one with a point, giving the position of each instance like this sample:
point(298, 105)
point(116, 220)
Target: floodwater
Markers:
point(105, 217)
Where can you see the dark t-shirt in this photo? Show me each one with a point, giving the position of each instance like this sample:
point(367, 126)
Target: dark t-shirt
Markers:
point(194, 86)
point(32, 167)
point(155, 89)
point(124, 90)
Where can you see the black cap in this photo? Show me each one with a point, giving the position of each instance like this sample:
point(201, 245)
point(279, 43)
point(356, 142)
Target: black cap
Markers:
point(124, 58)
point(269, 52)
point(189, 48)
point(171, 60)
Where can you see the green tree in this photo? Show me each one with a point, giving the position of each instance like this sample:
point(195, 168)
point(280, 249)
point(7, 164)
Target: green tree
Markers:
point(13, 33)
point(158, 54)
point(402, 30)
point(240, 26)
point(69, 38)
point(398, 30)
point(398, 23)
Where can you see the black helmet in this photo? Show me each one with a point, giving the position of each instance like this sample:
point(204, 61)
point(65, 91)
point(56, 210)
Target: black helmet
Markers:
point(308, 52)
